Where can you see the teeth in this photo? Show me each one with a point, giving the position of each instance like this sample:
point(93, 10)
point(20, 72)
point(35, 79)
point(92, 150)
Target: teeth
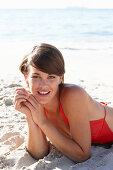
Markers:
point(43, 92)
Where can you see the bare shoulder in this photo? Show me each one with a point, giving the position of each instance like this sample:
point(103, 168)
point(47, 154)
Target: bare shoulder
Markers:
point(74, 99)
point(72, 91)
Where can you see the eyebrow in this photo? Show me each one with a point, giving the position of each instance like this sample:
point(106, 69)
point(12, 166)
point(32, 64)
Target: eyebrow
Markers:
point(36, 73)
point(39, 74)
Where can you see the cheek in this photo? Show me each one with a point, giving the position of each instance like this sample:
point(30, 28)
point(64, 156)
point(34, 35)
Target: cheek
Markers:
point(55, 86)
point(32, 85)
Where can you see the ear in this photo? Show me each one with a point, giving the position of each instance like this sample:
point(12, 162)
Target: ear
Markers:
point(26, 79)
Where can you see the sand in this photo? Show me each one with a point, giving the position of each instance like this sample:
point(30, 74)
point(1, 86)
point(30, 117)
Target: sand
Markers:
point(13, 133)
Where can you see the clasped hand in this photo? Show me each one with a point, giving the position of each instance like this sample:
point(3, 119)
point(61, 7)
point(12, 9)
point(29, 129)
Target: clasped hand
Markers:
point(26, 103)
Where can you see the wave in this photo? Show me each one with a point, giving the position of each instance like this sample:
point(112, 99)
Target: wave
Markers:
point(85, 48)
point(97, 33)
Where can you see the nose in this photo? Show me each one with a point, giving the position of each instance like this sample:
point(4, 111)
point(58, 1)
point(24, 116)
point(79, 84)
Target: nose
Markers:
point(43, 82)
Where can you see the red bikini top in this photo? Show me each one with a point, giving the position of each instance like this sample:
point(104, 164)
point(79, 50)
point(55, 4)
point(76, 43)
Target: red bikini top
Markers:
point(66, 120)
point(100, 131)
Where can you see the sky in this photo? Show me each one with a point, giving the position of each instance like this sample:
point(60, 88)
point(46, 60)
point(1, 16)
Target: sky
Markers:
point(56, 3)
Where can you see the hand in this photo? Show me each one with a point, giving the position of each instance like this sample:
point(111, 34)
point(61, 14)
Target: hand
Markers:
point(36, 109)
point(20, 99)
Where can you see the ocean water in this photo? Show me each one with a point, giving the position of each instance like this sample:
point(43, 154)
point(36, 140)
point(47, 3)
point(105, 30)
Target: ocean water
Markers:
point(84, 36)
point(55, 24)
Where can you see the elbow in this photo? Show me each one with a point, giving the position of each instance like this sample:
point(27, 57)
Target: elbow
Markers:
point(37, 155)
point(81, 158)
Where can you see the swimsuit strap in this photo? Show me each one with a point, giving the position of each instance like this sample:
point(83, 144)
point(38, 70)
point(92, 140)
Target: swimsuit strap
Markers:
point(105, 112)
point(66, 120)
point(103, 103)
point(104, 109)
point(45, 112)
point(104, 117)
point(62, 113)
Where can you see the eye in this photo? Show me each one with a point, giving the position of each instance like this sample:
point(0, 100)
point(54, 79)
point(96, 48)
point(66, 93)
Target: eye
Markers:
point(51, 77)
point(35, 77)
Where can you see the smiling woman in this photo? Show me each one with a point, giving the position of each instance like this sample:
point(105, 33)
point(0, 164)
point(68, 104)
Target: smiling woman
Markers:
point(63, 113)
point(43, 85)
point(49, 74)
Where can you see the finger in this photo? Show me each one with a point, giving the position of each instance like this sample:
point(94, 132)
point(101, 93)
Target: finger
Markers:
point(33, 101)
point(18, 103)
point(19, 96)
point(30, 106)
point(22, 91)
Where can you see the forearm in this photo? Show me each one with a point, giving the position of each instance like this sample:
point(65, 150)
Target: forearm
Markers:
point(66, 145)
point(37, 144)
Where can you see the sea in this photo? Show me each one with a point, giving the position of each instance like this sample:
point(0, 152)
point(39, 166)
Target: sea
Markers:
point(84, 36)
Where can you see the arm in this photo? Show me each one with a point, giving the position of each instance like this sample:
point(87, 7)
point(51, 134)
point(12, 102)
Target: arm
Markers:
point(37, 144)
point(67, 146)
point(75, 105)
point(78, 146)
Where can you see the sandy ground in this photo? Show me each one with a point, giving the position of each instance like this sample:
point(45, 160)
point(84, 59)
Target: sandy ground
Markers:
point(13, 133)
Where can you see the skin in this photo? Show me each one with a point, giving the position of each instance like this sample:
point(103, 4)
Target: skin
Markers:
point(78, 106)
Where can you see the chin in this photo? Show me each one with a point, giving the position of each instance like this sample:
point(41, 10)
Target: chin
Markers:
point(42, 100)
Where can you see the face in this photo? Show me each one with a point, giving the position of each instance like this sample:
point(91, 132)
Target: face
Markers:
point(43, 86)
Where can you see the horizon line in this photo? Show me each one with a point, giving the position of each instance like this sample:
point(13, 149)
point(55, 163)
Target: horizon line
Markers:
point(59, 8)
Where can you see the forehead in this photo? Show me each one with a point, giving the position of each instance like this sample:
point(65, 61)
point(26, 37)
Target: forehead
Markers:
point(34, 70)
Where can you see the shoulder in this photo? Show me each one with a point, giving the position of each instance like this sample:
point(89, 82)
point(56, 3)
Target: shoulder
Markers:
point(74, 99)
point(72, 92)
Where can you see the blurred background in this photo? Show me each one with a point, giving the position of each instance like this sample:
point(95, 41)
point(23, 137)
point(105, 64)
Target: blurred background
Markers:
point(81, 29)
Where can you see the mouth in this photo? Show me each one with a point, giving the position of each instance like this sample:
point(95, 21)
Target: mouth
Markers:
point(43, 93)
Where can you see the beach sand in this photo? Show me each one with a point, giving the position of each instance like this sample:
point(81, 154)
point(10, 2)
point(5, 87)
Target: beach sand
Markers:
point(87, 46)
point(13, 133)
point(81, 69)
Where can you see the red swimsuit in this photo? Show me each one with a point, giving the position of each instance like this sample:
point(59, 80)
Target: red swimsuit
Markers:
point(100, 131)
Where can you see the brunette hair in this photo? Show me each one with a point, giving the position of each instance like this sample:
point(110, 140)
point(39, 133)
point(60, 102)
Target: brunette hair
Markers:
point(46, 58)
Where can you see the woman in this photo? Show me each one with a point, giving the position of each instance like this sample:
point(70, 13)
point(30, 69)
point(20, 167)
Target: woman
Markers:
point(64, 113)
